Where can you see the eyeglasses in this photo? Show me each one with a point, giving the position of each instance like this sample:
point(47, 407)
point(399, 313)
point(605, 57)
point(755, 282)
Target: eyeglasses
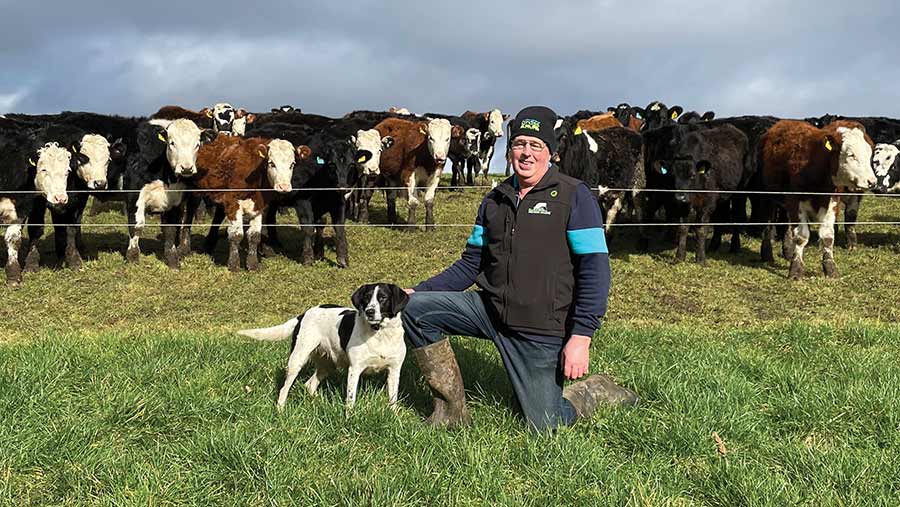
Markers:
point(520, 144)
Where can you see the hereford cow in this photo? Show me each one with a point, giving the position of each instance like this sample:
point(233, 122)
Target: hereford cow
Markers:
point(798, 157)
point(36, 164)
point(157, 174)
point(232, 163)
point(416, 158)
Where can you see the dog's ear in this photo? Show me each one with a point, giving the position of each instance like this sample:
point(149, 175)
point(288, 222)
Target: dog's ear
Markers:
point(399, 300)
point(358, 297)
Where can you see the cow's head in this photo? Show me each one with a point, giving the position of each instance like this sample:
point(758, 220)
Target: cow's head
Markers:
point(690, 175)
point(470, 140)
point(343, 164)
point(280, 158)
point(438, 131)
point(223, 115)
point(241, 119)
point(495, 121)
point(183, 139)
point(884, 160)
point(370, 143)
point(98, 152)
point(854, 167)
point(53, 164)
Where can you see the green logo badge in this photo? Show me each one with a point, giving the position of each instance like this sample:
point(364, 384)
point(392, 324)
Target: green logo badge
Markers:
point(539, 209)
point(531, 125)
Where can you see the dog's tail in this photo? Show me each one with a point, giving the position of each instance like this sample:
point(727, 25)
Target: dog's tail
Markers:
point(275, 333)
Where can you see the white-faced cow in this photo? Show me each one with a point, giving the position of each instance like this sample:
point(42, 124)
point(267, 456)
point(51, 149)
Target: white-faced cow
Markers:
point(798, 157)
point(160, 171)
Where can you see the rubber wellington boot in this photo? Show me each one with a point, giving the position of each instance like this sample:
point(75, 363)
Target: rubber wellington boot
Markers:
point(588, 394)
point(438, 366)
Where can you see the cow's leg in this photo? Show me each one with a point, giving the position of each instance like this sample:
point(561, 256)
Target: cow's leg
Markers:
point(73, 249)
point(412, 202)
point(787, 240)
point(13, 238)
point(212, 237)
point(338, 223)
point(136, 209)
point(254, 234)
point(612, 214)
point(171, 222)
point(235, 236)
point(456, 172)
point(765, 211)
point(319, 243)
point(271, 241)
point(35, 232)
point(430, 191)
point(681, 249)
point(700, 252)
point(307, 229)
point(390, 197)
point(826, 235)
point(187, 219)
point(851, 210)
point(738, 214)
point(801, 238)
point(365, 195)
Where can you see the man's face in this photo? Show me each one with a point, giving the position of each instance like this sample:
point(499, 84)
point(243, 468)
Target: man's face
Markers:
point(530, 157)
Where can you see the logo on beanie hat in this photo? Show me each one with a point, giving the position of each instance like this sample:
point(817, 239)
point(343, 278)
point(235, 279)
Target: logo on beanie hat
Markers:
point(531, 125)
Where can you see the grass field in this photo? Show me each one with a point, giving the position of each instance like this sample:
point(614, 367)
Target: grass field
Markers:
point(126, 385)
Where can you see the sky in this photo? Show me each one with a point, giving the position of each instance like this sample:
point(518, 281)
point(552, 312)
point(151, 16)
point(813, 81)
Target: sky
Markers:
point(784, 58)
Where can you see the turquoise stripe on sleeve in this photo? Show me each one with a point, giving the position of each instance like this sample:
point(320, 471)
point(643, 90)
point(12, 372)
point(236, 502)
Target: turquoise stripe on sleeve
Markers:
point(587, 241)
point(477, 237)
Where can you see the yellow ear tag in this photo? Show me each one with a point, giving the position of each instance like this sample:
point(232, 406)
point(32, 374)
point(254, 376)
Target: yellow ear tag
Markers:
point(161, 138)
point(32, 163)
point(828, 145)
point(208, 113)
point(578, 131)
point(74, 149)
point(361, 159)
point(674, 114)
point(261, 154)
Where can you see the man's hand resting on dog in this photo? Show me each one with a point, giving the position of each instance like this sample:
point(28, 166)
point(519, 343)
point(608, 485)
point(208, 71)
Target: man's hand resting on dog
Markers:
point(575, 356)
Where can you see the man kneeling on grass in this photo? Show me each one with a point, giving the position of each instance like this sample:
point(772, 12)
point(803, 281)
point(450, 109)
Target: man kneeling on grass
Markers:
point(538, 255)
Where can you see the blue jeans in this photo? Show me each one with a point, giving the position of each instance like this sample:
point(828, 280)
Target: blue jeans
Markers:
point(533, 367)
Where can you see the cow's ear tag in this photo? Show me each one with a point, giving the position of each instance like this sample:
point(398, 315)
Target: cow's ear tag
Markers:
point(74, 149)
point(663, 170)
point(578, 131)
point(32, 162)
point(828, 145)
point(161, 138)
point(674, 114)
point(361, 159)
point(321, 161)
point(260, 153)
point(209, 113)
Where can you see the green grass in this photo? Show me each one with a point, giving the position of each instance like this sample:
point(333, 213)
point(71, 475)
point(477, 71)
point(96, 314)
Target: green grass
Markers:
point(125, 385)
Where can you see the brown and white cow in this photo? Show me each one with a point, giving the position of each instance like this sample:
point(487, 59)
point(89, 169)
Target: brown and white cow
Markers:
point(248, 165)
point(415, 159)
point(798, 157)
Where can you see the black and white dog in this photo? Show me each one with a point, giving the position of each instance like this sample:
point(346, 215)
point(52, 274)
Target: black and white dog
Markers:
point(367, 339)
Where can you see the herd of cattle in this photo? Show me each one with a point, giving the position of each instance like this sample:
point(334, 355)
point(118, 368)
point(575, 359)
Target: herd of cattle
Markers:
point(247, 166)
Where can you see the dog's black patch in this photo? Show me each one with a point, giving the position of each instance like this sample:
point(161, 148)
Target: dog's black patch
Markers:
point(345, 327)
point(329, 306)
point(296, 330)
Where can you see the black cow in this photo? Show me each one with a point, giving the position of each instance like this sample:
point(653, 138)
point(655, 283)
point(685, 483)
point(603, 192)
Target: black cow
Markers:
point(608, 161)
point(713, 160)
point(657, 115)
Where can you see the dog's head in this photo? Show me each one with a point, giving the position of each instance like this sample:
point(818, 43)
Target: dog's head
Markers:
point(379, 301)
